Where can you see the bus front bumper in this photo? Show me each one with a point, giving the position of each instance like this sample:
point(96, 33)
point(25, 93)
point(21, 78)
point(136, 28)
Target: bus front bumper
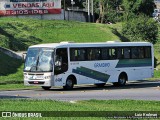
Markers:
point(37, 82)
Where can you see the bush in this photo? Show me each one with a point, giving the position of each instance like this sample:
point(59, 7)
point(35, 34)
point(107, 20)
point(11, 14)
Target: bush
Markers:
point(141, 28)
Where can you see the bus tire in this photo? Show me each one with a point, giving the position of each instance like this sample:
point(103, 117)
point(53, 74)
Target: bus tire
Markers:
point(46, 88)
point(122, 79)
point(69, 83)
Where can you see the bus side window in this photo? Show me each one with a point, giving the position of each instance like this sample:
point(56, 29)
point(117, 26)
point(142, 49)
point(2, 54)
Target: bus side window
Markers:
point(119, 53)
point(77, 54)
point(93, 54)
point(126, 53)
point(89, 54)
point(147, 52)
point(81, 54)
point(97, 54)
point(135, 53)
point(72, 55)
point(105, 55)
point(112, 53)
point(141, 52)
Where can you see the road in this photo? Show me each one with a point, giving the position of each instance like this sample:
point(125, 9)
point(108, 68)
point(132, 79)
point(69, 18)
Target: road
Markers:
point(145, 90)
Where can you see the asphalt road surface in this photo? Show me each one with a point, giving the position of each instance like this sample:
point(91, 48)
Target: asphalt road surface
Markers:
point(140, 90)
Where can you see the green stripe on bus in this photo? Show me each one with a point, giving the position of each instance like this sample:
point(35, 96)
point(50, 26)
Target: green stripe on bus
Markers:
point(134, 63)
point(91, 73)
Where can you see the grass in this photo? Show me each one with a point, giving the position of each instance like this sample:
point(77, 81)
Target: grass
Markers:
point(87, 105)
point(18, 34)
point(15, 87)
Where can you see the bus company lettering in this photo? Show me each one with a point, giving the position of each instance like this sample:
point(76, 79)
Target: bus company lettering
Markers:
point(58, 80)
point(101, 65)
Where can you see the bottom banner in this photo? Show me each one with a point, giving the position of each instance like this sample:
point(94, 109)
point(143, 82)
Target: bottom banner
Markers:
point(106, 114)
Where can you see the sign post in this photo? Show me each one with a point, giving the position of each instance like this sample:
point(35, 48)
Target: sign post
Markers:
point(89, 17)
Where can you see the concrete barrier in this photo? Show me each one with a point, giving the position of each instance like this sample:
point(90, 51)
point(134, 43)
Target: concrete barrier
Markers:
point(12, 53)
point(69, 15)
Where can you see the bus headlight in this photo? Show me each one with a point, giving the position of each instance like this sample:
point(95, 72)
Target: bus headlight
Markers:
point(47, 77)
point(25, 77)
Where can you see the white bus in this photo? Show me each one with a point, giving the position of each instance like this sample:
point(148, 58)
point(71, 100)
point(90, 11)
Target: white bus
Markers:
point(67, 64)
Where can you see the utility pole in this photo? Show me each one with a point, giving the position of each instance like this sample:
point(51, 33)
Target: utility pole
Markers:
point(92, 10)
point(89, 18)
point(64, 8)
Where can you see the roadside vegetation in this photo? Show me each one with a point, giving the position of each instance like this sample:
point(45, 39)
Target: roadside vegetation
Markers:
point(87, 105)
point(17, 34)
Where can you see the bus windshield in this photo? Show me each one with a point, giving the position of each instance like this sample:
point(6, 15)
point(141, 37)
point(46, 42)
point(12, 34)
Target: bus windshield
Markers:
point(39, 60)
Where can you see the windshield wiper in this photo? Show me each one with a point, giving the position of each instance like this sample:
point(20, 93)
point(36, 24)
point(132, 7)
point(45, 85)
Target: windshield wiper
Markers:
point(33, 68)
point(37, 62)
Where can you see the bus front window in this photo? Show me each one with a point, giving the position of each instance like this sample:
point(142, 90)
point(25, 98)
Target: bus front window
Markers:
point(39, 60)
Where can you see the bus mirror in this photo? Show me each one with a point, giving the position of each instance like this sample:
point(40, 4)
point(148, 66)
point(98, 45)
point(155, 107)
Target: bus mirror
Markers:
point(24, 56)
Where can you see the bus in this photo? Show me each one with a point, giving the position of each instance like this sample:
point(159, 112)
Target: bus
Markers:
point(67, 64)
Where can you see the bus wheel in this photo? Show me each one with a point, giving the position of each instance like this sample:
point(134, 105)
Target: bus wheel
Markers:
point(46, 88)
point(100, 85)
point(122, 80)
point(69, 84)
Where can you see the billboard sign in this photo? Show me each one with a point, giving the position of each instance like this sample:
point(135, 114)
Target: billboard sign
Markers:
point(29, 7)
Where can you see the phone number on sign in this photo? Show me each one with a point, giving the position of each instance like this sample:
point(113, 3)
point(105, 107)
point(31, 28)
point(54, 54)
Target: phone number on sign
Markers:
point(30, 12)
point(25, 12)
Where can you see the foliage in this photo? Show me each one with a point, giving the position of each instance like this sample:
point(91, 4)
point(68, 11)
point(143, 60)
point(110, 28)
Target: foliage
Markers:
point(130, 7)
point(111, 10)
point(135, 7)
point(141, 28)
point(108, 10)
point(149, 4)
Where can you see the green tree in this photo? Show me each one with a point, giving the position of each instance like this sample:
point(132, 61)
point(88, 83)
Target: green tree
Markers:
point(106, 9)
point(147, 7)
point(141, 28)
point(135, 7)
point(102, 6)
point(130, 7)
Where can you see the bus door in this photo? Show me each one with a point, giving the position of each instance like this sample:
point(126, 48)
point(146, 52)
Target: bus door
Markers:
point(61, 62)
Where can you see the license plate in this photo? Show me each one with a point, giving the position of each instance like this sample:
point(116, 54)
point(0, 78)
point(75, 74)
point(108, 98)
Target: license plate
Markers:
point(34, 77)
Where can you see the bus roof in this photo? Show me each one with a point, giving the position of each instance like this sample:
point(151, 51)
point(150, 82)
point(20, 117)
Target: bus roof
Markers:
point(98, 44)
